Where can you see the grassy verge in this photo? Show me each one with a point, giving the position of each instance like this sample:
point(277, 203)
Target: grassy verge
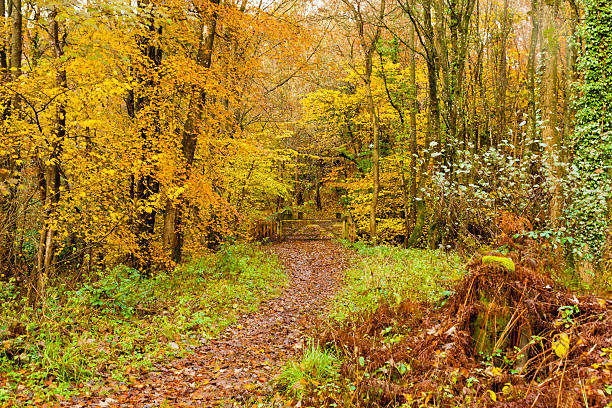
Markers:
point(379, 275)
point(120, 322)
point(390, 275)
point(318, 367)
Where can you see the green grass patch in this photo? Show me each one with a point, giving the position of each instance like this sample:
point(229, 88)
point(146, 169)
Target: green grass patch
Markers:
point(119, 322)
point(318, 368)
point(390, 274)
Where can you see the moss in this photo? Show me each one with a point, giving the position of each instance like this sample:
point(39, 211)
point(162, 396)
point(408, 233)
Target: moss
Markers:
point(419, 224)
point(499, 260)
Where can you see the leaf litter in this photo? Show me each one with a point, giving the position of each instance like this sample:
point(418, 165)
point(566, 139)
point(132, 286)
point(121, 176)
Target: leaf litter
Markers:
point(238, 365)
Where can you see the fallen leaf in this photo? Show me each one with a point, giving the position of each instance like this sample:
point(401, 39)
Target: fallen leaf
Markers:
point(560, 345)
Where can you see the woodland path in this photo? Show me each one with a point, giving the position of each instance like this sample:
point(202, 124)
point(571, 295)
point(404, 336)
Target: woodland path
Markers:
point(238, 365)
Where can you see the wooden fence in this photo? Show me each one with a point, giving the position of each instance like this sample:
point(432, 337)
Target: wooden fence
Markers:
point(305, 229)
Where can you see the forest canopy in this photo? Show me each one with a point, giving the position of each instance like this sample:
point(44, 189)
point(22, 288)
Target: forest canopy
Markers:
point(146, 133)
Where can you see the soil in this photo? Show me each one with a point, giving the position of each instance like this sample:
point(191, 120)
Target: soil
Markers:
point(239, 365)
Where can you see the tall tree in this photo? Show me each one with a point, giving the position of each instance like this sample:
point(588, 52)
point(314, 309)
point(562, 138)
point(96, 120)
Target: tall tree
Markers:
point(142, 108)
point(49, 176)
point(368, 40)
point(549, 101)
point(173, 234)
point(531, 75)
point(8, 168)
point(424, 29)
point(502, 72)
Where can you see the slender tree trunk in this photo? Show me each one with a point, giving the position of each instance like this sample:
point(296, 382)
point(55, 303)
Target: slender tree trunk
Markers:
point(36, 292)
point(433, 120)
point(440, 43)
point(144, 187)
point(413, 133)
point(3, 54)
point(531, 77)
point(549, 100)
point(16, 39)
point(49, 173)
point(502, 76)
point(368, 47)
point(375, 150)
point(173, 234)
point(8, 168)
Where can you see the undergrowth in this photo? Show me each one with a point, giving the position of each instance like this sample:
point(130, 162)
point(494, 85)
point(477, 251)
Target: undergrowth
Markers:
point(318, 369)
point(412, 329)
point(120, 322)
point(390, 275)
point(379, 275)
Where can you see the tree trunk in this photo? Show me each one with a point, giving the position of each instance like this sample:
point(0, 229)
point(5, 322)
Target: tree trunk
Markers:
point(16, 49)
point(173, 234)
point(3, 54)
point(144, 187)
point(8, 168)
point(413, 134)
point(375, 150)
point(549, 99)
point(49, 172)
point(8, 218)
point(531, 77)
point(502, 83)
point(368, 47)
point(426, 35)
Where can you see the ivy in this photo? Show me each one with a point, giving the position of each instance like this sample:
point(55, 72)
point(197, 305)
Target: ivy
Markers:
point(592, 139)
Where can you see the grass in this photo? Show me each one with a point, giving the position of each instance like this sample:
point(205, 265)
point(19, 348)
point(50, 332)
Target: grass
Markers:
point(378, 274)
point(318, 368)
point(120, 322)
point(390, 274)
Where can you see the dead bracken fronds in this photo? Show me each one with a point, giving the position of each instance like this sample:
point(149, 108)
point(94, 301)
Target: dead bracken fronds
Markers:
point(504, 338)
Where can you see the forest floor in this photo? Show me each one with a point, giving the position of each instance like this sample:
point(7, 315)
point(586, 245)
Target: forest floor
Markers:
point(238, 365)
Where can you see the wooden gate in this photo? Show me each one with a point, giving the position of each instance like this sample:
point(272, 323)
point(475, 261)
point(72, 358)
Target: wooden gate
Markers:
point(267, 229)
point(305, 229)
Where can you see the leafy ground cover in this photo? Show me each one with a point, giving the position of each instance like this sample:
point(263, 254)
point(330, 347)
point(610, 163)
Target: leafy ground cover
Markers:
point(505, 335)
point(386, 274)
point(97, 337)
point(379, 276)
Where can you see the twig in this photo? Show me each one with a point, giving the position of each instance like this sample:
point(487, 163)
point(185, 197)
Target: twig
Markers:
point(582, 390)
point(561, 383)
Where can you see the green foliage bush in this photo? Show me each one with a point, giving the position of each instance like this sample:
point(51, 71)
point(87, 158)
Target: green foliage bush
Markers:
point(122, 290)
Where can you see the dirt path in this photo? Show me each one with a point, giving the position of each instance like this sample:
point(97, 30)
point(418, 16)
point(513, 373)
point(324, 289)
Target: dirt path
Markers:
point(238, 365)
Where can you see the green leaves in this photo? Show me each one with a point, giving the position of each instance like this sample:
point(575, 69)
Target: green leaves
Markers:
point(592, 138)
